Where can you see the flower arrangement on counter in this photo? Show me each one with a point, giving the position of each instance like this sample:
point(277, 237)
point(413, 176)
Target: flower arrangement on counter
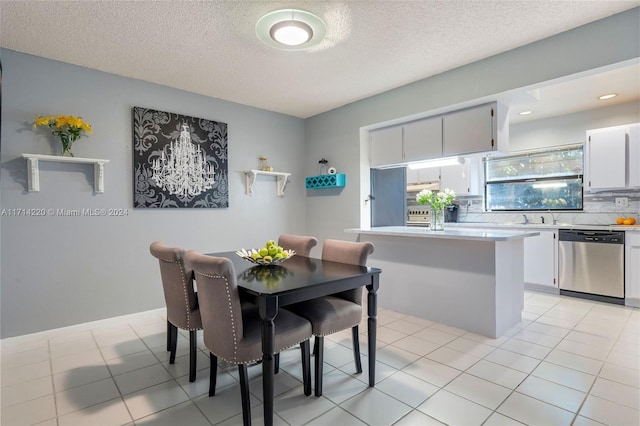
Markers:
point(67, 127)
point(436, 200)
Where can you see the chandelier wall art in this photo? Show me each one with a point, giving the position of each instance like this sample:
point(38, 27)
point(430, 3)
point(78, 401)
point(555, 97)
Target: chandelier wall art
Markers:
point(179, 161)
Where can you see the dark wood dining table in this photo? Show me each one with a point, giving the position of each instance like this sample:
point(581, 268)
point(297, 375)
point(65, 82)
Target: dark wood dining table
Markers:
point(295, 280)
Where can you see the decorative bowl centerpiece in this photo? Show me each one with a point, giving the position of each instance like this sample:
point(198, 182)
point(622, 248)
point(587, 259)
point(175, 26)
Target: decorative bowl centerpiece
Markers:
point(270, 254)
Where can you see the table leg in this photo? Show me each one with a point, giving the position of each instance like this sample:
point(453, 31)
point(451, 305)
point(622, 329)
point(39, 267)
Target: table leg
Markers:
point(372, 300)
point(268, 309)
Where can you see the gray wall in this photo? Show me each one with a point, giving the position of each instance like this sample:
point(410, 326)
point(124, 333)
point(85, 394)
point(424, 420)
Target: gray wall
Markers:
point(58, 271)
point(336, 134)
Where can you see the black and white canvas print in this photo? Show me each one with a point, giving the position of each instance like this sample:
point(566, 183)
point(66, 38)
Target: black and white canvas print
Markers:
point(202, 156)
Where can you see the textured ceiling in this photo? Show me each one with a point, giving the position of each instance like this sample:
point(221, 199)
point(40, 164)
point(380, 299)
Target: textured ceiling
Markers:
point(210, 47)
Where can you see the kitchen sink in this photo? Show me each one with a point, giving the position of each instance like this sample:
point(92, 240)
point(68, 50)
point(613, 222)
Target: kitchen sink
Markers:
point(559, 224)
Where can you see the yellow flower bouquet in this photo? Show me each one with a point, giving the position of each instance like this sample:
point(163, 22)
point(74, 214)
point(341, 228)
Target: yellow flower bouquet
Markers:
point(67, 127)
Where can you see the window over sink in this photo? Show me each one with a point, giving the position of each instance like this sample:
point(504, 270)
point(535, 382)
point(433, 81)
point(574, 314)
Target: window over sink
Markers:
point(541, 180)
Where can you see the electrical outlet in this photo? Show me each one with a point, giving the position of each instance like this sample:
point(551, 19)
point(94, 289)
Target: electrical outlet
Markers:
point(469, 203)
point(622, 202)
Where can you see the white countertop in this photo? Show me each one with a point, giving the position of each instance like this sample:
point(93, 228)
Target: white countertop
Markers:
point(543, 226)
point(450, 233)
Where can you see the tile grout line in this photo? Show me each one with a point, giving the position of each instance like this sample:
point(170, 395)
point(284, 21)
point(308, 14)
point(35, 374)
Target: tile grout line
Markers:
point(53, 386)
point(190, 399)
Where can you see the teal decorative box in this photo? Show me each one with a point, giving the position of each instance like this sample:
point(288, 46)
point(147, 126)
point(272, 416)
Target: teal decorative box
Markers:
point(326, 181)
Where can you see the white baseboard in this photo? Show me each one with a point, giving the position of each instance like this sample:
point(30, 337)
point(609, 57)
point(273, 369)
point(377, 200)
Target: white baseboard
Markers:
point(82, 327)
point(632, 301)
point(541, 288)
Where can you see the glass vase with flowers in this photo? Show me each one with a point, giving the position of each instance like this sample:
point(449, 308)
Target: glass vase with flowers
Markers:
point(66, 127)
point(437, 201)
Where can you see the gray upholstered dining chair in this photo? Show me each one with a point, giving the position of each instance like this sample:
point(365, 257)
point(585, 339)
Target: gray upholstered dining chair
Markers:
point(301, 244)
point(233, 331)
point(337, 312)
point(181, 300)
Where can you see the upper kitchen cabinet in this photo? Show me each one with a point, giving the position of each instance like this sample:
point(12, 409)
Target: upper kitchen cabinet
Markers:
point(463, 179)
point(612, 158)
point(429, 175)
point(422, 139)
point(479, 129)
point(413, 141)
point(386, 146)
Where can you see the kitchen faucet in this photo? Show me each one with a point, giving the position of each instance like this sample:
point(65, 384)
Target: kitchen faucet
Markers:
point(542, 219)
point(526, 219)
point(555, 221)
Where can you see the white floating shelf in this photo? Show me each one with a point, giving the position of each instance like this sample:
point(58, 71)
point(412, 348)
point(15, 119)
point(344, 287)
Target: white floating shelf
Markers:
point(33, 169)
point(281, 180)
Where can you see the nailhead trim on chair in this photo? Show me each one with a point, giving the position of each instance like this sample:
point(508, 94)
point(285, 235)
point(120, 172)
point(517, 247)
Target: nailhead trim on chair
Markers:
point(235, 342)
point(184, 291)
point(233, 328)
point(186, 297)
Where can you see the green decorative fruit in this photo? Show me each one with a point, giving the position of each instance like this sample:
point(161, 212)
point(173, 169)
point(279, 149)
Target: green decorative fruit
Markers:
point(270, 243)
point(273, 250)
point(267, 258)
point(255, 255)
point(263, 251)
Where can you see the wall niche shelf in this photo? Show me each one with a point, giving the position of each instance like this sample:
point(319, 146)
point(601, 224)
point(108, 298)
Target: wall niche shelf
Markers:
point(281, 180)
point(33, 169)
point(326, 181)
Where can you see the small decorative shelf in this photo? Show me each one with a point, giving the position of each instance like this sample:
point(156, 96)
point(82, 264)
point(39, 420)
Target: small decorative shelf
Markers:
point(326, 181)
point(281, 180)
point(33, 169)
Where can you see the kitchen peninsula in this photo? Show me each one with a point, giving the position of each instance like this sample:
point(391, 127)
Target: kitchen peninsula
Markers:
point(472, 279)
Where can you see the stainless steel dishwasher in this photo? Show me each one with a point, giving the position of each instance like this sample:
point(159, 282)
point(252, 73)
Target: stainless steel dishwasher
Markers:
point(591, 264)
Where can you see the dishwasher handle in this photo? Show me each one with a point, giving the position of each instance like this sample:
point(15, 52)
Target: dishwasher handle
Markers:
point(587, 236)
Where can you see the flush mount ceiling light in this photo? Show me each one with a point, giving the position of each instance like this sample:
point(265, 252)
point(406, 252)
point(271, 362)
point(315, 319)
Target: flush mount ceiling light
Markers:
point(526, 112)
point(291, 33)
point(607, 96)
point(290, 29)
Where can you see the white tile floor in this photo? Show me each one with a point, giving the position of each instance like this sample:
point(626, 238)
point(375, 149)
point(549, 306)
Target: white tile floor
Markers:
point(569, 361)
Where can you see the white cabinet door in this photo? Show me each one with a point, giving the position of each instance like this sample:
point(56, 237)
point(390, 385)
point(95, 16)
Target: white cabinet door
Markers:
point(632, 269)
point(606, 159)
point(385, 146)
point(423, 175)
point(469, 130)
point(422, 139)
point(463, 179)
point(540, 259)
point(633, 158)
point(456, 178)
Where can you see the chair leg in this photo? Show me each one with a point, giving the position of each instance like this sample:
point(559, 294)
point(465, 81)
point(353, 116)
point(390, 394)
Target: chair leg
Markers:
point(306, 366)
point(213, 373)
point(193, 353)
point(174, 344)
point(244, 390)
point(276, 363)
point(169, 328)
point(356, 349)
point(318, 350)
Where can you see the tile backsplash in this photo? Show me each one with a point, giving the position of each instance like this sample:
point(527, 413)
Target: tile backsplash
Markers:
point(599, 209)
